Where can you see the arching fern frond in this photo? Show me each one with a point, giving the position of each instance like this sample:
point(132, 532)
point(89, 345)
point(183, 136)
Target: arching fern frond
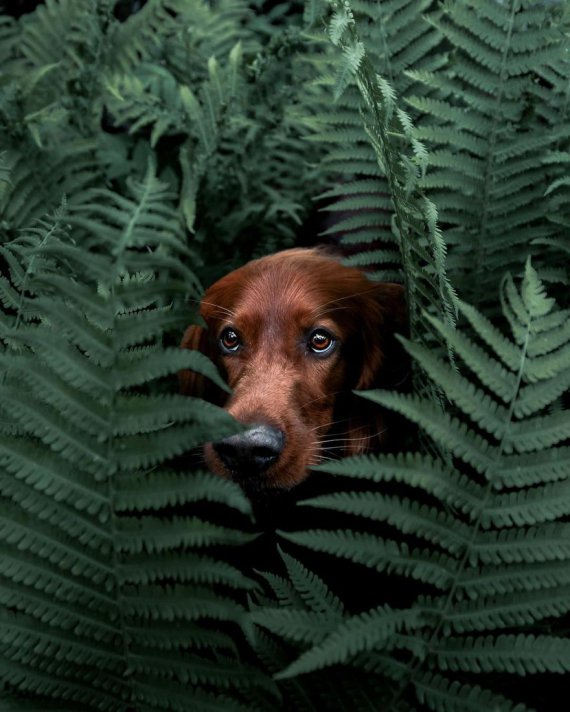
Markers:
point(487, 538)
point(488, 174)
point(395, 38)
point(37, 180)
point(152, 97)
point(403, 161)
point(113, 590)
point(311, 615)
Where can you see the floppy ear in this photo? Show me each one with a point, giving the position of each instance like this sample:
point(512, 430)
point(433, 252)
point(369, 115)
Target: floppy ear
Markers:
point(383, 363)
point(384, 314)
point(191, 383)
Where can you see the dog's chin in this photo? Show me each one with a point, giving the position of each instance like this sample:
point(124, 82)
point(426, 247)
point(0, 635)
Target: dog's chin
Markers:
point(268, 500)
point(278, 479)
point(258, 486)
point(254, 484)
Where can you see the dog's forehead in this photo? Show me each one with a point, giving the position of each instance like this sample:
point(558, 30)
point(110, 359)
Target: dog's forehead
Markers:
point(285, 291)
point(296, 287)
point(262, 305)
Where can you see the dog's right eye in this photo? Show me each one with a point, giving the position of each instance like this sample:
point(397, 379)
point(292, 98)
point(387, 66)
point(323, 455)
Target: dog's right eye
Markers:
point(229, 340)
point(321, 342)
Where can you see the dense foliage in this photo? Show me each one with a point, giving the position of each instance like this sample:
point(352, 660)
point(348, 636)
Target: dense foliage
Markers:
point(148, 147)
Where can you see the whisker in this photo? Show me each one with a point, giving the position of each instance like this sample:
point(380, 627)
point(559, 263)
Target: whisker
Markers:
point(328, 441)
point(326, 395)
point(402, 380)
point(193, 460)
point(321, 459)
point(345, 443)
point(327, 425)
point(224, 310)
point(330, 311)
point(348, 296)
point(343, 436)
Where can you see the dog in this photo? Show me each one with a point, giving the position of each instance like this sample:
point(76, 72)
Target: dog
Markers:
point(294, 335)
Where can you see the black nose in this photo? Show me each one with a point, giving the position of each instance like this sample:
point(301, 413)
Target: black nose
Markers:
point(253, 451)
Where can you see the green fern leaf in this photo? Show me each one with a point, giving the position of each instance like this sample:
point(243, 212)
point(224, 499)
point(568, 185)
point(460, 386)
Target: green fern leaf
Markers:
point(486, 149)
point(314, 593)
point(371, 630)
point(519, 654)
point(298, 626)
point(507, 611)
point(378, 554)
point(443, 695)
point(99, 561)
point(407, 516)
point(497, 507)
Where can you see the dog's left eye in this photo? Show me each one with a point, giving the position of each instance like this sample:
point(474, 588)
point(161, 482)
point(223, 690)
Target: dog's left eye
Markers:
point(229, 340)
point(321, 342)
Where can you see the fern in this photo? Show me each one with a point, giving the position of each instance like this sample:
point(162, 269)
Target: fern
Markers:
point(308, 614)
point(395, 37)
point(557, 245)
point(180, 140)
point(110, 597)
point(187, 80)
point(491, 544)
point(402, 159)
point(48, 130)
point(487, 140)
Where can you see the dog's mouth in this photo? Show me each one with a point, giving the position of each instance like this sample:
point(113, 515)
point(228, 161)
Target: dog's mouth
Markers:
point(271, 506)
point(268, 483)
point(251, 480)
point(256, 485)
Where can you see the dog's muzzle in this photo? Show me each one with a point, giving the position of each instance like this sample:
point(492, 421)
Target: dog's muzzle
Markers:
point(252, 452)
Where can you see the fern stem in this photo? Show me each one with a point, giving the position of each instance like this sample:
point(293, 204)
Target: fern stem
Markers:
point(139, 210)
point(112, 497)
point(123, 244)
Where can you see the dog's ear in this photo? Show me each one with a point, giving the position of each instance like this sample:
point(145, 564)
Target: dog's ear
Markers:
point(382, 363)
point(384, 314)
point(196, 338)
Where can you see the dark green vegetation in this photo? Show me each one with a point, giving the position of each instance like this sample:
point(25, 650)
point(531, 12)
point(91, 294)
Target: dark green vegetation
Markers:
point(142, 155)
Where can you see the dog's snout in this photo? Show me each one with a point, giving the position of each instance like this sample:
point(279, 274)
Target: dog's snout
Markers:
point(253, 451)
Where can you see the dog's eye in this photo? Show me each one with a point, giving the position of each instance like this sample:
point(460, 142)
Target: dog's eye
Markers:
point(321, 342)
point(229, 340)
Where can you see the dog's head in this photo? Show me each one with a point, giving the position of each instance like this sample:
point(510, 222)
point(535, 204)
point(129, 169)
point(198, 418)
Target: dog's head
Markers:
point(294, 333)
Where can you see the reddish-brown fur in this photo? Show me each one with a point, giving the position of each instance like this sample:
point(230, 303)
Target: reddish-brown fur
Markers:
point(274, 303)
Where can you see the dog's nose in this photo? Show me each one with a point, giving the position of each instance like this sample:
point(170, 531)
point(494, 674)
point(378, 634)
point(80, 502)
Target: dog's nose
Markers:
point(253, 451)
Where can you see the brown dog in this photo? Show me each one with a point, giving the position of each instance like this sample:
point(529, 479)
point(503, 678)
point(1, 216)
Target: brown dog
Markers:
point(294, 333)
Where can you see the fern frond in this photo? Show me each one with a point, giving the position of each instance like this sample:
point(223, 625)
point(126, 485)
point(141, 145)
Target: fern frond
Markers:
point(314, 593)
point(378, 554)
point(371, 630)
point(402, 160)
point(531, 506)
point(485, 149)
point(102, 562)
point(299, 626)
point(442, 695)
point(37, 181)
point(491, 581)
point(508, 611)
point(373, 38)
point(519, 654)
point(149, 491)
point(494, 540)
point(406, 515)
